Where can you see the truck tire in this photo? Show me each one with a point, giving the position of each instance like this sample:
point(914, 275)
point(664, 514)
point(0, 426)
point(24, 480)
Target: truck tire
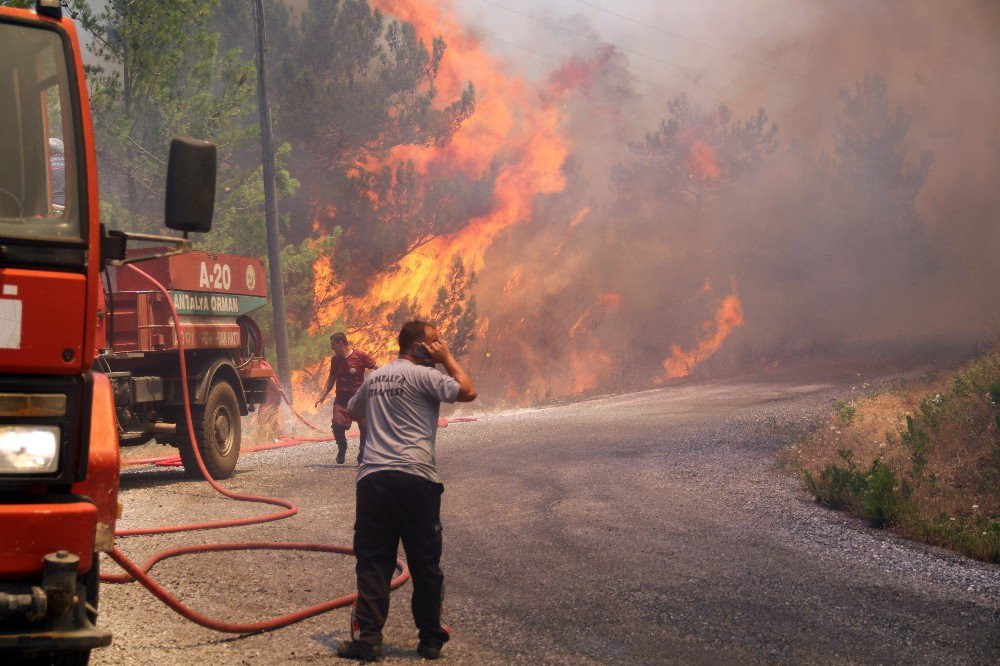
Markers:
point(217, 427)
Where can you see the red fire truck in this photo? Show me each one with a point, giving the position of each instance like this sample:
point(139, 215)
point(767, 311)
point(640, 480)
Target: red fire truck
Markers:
point(59, 458)
point(137, 351)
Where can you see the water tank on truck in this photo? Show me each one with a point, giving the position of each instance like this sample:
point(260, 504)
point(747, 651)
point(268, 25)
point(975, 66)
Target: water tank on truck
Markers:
point(228, 377)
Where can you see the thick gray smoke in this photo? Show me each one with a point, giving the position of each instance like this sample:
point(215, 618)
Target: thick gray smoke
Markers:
point(862, 209)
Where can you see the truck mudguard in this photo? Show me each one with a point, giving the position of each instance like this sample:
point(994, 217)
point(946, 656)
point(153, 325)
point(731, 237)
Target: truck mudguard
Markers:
point(224, 369)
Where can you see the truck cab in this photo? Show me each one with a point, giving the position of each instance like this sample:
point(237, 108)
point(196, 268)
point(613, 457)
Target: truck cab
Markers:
point(59, 457)
point(58, 444)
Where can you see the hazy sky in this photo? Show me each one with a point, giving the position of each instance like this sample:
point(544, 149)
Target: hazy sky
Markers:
point(941, 59)
point(779, 48)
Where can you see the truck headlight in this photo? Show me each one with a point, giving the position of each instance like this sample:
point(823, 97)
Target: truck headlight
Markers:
point(29, 449)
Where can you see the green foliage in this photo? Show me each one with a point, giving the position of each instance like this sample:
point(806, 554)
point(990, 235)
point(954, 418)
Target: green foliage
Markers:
point(960, 386)
point(876, 494)
point(297, 262)
point(950, 461)
point(977, 535)
point(239, 225)
point(837, 487)
point(916, 438)
point(994, 392)
point(845, 410)
point(884, 501)
point(161, 74)
point(351, 85)
point(872, 155)
point(363, 83)
point(931, 409)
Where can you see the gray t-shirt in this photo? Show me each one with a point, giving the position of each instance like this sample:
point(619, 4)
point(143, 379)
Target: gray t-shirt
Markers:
point(402, 401)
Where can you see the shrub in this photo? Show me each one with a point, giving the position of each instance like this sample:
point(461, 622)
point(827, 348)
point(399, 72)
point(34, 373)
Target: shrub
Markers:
point(884, 500)
point(916, 438)
point(994, 391)
point(977, 536)
point(837, 487)
point(845, 410)
point(916, 457)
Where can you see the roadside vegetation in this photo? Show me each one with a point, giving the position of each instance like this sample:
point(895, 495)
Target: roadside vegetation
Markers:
point(921, 458)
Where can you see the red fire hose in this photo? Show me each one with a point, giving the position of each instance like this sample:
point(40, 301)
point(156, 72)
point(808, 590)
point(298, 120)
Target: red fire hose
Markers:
point(140, 573)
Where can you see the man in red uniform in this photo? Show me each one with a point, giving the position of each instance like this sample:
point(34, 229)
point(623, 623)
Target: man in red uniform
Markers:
point(347, 371)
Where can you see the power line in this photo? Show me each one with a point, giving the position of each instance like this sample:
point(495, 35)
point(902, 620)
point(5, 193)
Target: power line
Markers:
point(731, 54)
point(693, 72)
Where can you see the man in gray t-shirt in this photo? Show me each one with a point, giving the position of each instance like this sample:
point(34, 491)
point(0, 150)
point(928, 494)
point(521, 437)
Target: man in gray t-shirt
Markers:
point(398, 489)
point(402, 401)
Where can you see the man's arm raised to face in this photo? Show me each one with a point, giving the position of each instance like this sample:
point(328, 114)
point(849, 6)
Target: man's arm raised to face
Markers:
point(441, 354)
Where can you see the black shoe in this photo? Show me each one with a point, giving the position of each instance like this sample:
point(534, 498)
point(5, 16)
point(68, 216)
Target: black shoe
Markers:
point(428, 651)
point(340, 454)
point(360, 650)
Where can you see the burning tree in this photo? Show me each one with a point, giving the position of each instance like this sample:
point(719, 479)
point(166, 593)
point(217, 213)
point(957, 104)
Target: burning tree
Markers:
point(454, 310)
point(694, 152)
point(679, 191)
point(454, 313)
point(371, 88)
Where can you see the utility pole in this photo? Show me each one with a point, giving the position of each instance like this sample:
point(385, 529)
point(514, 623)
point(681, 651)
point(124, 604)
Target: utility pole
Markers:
point(271, 208)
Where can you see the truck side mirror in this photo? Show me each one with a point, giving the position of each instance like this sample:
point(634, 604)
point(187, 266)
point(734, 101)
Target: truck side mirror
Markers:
point(190, 198)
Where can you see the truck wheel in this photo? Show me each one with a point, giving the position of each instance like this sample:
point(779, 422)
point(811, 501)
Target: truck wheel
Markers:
point(217, 426)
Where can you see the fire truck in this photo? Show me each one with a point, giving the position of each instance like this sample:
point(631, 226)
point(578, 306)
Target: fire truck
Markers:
point(137, 350)
point(59, 434)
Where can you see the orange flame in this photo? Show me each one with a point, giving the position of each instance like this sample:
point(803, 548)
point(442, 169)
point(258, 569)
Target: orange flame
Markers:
point(525, 136)
point(588, 369)
point(518, 132)
point(579, 216)
point(513, 126)
point(728, 317)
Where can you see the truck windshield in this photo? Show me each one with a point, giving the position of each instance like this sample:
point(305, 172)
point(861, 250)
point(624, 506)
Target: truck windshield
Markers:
point(39, 197)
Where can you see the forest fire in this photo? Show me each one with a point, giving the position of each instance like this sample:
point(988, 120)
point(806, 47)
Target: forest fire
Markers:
point(511, 127)
point(519, 133)
point(526, 137)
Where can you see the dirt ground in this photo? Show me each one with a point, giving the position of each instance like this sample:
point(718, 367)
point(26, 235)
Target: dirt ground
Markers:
point(655, 527)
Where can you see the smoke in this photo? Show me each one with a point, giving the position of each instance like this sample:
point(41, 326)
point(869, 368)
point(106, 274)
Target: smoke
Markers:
point(725, 187)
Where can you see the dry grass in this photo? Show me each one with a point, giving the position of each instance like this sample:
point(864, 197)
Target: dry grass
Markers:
point(923, 458)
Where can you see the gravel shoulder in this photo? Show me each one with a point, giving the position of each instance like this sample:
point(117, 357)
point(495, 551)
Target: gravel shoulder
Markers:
point(655, 527)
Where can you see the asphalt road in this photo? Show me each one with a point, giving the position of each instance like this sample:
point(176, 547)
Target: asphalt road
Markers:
point(655, 527)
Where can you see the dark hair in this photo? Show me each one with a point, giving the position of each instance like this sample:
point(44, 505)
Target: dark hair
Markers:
point(339, 337)
point(412, 331)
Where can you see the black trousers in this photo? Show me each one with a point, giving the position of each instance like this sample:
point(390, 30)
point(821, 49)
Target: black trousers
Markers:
point(340, 432)
point(340, 435)
point(391, 506)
